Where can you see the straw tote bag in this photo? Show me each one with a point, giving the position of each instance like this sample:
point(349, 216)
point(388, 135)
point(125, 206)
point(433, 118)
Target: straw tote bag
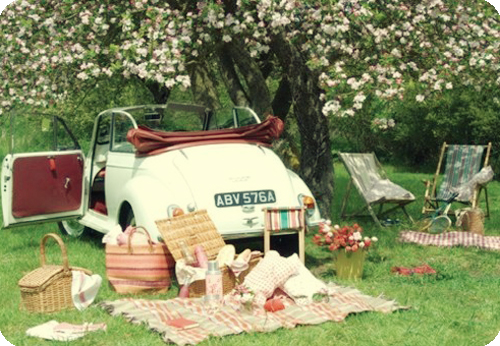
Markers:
point(134, 268)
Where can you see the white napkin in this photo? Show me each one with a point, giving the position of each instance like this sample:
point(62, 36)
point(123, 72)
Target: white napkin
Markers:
point(54, 330)
point(84, 288)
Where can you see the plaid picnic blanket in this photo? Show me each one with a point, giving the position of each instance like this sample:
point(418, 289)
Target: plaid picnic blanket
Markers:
point(225, 320)
point(451, 239)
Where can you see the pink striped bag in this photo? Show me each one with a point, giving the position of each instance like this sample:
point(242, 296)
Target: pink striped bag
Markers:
point(139, 268)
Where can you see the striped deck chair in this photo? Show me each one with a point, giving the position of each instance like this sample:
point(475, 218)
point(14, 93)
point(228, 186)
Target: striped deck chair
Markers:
point(371, 181)
point(285, 219)
point(462, 164)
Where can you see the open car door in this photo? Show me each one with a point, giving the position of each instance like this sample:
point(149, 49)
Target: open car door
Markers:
point(46, 185)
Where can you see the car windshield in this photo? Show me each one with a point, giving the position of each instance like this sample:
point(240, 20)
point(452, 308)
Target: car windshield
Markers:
point(175, 117)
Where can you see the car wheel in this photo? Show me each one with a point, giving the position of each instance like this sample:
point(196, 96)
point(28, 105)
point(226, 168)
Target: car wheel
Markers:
point(71, 227)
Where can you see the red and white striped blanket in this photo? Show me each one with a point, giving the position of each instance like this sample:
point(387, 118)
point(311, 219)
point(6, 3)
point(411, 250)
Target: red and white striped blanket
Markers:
point(451, 239)
point(226, 320)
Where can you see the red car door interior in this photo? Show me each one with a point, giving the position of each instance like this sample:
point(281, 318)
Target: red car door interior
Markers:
point(46, 184)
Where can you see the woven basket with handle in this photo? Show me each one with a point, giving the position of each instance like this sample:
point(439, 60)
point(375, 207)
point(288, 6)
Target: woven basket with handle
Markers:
point(48, 288)
point(197, 228)
point(473, 221)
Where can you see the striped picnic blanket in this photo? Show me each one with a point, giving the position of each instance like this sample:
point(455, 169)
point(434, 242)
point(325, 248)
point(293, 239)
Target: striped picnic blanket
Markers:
point(448, 239)
point(225, 320)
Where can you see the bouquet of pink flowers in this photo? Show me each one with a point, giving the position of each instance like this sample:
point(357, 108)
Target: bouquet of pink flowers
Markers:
point(241, 297)
point(335, 237)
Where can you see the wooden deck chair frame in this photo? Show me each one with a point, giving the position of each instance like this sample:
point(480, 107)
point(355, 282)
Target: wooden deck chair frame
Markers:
point(396, 204)
point(271, 224)
point(431, 203)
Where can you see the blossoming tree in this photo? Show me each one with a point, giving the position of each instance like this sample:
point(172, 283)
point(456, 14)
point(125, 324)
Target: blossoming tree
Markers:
point(331, 58)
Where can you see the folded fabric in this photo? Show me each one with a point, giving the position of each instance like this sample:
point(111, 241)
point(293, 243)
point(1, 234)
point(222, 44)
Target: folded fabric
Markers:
point(84, 288)
point(187, 274)
point(423, 269)
point(466, 190)
point(54, 330)
point(270, 273)
point(302, 285)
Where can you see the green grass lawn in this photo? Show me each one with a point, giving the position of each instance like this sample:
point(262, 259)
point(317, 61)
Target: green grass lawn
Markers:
point(459, 306)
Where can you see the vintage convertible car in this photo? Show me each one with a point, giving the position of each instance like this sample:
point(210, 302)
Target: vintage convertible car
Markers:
point(146, 163)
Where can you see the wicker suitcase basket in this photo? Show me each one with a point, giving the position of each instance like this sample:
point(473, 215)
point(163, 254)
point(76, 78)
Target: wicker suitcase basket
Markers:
point(48, 288)
point(197, 228)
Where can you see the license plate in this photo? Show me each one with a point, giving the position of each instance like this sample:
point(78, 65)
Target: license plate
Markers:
point(232, 199)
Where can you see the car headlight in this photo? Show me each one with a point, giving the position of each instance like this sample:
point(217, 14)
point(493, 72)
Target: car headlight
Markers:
point(308, 203)
point(191, 207)
point(174, 210)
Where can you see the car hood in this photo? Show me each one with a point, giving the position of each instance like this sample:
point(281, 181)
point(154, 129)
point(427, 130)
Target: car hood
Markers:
point(232, 168)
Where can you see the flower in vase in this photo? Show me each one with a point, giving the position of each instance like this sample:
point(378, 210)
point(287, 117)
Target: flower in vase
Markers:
point(349, 238)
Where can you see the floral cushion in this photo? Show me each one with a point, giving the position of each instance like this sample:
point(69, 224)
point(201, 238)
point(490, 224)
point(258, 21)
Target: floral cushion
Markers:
point(272, 272)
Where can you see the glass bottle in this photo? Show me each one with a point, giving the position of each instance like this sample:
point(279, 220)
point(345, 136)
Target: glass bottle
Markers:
point(186, 254)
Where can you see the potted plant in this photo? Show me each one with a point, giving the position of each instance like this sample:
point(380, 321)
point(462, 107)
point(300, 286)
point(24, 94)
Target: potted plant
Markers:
point(348, 245)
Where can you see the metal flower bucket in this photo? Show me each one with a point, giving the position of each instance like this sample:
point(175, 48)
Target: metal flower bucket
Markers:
point(349, 265)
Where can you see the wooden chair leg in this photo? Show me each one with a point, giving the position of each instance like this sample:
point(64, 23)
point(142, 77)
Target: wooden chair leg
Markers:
point(407, 215)
point(267, 241)
point(345, 199)
point(374, 216)
point(302, 242)
point(487, 203)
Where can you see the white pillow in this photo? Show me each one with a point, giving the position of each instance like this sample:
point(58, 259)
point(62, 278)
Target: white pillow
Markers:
point(303, 285)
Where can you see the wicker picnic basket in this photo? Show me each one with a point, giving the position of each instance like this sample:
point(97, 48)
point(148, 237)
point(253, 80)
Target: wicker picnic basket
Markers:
point(48, 288)
point(472, 221)
point(197, 228)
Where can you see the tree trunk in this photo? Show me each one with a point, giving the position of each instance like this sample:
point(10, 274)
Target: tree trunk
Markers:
point(202, 86)
point(231, 80)
point(160, 92)
point(282, 99)
point(257, 90)
point(316, 164)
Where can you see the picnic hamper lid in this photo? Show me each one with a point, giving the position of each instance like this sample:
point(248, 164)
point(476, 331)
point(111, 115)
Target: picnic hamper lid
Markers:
point(194, 228)
point(44, 275)
point(41, 276)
